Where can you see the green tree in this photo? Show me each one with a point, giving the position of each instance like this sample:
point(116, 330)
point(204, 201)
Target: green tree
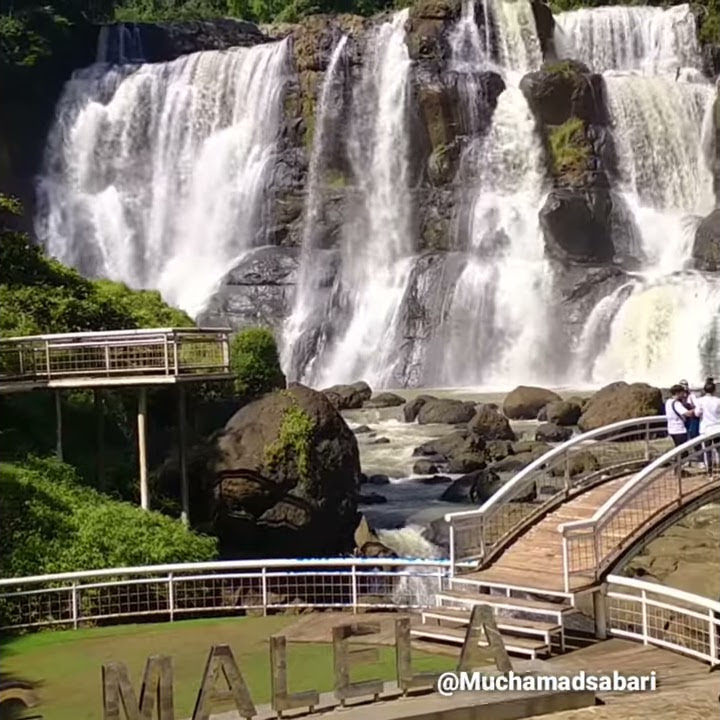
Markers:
point(255, 361)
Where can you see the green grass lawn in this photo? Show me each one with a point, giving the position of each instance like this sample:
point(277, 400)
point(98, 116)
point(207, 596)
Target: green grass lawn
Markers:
point(67, 664)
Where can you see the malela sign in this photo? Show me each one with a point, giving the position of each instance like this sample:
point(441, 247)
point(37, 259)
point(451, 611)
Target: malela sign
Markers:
point(222, 680)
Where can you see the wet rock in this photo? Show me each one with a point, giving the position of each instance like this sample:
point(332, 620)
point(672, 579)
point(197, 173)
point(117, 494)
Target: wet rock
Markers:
point(378, 480)
point(456, 443)
point(524, 402)
point(348, 397)
point(550, 432)
point(498, 449)
point(475, 487)
point(466, 463)
point(428, 465)
point(445, 411)
point(380, 441)
point(273, 494)
point(259, 290)
point(490, 425)
point(620, 401)
point(434, 479)
point(362, 430)
point(384, 400)
point(577, 227)
point(706, 249)
point(371, 499)
point(542, 414)
point(412, 407)
point(545, 24)
point(530, 446)
point(562, 412)
point(367, 543)
point(515, 463)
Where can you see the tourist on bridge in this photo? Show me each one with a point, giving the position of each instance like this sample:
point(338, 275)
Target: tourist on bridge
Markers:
point(708, 410)
point(677, 414)
point(693, 423)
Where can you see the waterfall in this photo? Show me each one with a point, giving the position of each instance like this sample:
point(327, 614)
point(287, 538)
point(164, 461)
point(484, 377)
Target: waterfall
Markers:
point(496, 323)
point(155, 174)
point(650, 40)
point(376, 254)
point(302, 339)
point(120, 44)
point(660, 108)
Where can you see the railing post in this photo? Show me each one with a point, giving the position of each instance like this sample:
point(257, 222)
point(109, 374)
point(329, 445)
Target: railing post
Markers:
point(353, 576)
point(107, 360)
point(566, 563)
point(567, 473)
point(47, 359)
point(75, 605)
point(166, 354)
point(647, 442)
point(596, 552)
point(643, 596)
point(440, 576)
point(600, 612)
point(176, 363)
point(452, 549)
point(225, 340)
point(712, 637)
point(263, 581)
point(171, 597)
point(678, 478)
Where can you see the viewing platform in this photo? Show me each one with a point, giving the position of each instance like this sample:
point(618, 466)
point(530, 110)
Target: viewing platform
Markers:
point(114, 359)
point(156, 356)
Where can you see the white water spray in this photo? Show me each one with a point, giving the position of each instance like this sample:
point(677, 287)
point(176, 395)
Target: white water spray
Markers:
point(155, 174)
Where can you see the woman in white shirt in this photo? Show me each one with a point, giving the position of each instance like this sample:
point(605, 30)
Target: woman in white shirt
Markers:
point(677, 415)
point(708, 409)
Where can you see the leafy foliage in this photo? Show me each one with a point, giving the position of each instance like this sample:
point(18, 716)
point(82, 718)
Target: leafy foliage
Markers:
point(254, 360)
point(293, 442)
point(569, 148)
point(52, 524)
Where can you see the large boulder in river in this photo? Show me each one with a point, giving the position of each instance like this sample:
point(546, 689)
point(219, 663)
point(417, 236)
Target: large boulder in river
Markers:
point(446, 411)
point(412, 407)
point(464, 450)
point(288, 471)
point(562, 412)
point(550, 432)
point(620, 401)
point(489, 424)
point(706, 249)
point(525, 402)
point(384, 400)
point(348, 397)
point(475, 487)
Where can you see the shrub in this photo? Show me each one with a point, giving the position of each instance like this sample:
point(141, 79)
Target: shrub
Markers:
point(52, 524)
point(293, 442)
point(254, 360)
point(569, 148)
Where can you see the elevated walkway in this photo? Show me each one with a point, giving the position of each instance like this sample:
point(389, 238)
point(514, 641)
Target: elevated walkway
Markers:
point(551, 535)
point(114, 359)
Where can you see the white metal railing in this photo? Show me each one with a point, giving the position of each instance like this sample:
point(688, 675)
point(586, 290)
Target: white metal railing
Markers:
point(663, 616)
point(155, 351)
point(591, 546)
point(577, 464)
point(196, 589)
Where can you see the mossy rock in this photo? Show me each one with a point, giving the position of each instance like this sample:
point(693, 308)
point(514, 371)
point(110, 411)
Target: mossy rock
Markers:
point(570, 153)
point(436, 9)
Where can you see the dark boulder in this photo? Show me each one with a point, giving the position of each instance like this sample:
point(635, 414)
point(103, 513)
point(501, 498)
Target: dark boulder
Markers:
point(384, 400)
point(515, 463)
point(362, 430)
point(371, 499)
point(377, 480)
point(434, 479)
point(288, 471)
point(464, 448)
point(367, 543)
point(466, 463)
point(348, 397)
point(562, 412)
point(475, 487)
point(445, 411)
point(581, 463)
point(706, 249)
point(550, 432)
point(425, 466)
point(524, 402)
point(412, 407)
point(620, 401)
point(498, 449)
point(489, 424)
point(530, 446)
point(577, 227)
point(545, 24)
point(379, 441)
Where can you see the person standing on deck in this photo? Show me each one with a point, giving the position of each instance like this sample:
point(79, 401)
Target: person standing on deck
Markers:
point(693, 423)
point(677, 415)
point(708, 409)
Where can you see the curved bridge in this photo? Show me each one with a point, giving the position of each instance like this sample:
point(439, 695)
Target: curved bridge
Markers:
point(554, 532)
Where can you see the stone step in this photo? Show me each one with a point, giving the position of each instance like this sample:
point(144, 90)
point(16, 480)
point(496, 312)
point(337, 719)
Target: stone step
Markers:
point(510, 626)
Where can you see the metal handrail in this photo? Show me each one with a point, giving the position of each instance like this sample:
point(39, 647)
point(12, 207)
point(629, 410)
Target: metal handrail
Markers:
point(474, 522)
point(584, 550)
point(173, 590)
point(691, 628)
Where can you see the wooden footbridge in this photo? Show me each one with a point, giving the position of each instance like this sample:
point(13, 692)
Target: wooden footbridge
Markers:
point(123, 358)
point(540, 551)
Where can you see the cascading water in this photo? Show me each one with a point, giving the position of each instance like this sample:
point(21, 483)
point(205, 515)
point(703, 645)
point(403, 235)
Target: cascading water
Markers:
point(155, 174)
point(376, 246)
point(303, 328)
point(497, 324)
point(660, 105)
